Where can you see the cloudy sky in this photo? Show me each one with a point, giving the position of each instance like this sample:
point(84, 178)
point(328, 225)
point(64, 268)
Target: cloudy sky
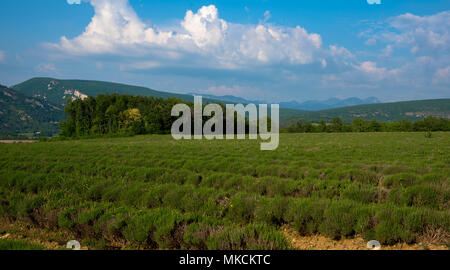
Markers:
point(274, 50)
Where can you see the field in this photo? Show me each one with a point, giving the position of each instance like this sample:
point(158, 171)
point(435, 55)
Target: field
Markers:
point(152, 192)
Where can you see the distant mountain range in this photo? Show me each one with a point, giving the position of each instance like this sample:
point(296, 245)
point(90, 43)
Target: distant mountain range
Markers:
point(311, 105)
point(37, 105)
point(314, 105)
point(230, 99)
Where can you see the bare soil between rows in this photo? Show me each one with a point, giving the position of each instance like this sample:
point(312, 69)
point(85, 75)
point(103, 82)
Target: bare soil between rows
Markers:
point(319, 242)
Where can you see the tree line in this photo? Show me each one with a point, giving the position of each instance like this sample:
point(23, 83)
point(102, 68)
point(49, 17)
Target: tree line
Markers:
point(133, 115)
point(118, 114)
point(123, 115)
point(429, 124)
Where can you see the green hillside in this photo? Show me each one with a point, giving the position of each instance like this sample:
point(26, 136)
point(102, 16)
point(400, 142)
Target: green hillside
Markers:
point(58, 91)
point(384, 112)
point(20, 114)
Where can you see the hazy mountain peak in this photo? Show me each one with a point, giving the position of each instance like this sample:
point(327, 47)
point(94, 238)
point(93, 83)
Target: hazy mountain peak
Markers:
point(310, 105)
point(331, 103)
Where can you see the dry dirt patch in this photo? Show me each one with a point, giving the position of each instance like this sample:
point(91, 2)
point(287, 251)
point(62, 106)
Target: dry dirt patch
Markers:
point(318, 242)
point(16, 141)
point(23, 231)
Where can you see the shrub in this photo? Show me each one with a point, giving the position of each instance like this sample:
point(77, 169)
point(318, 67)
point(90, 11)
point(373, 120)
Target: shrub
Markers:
point(419, 196)
point(399, 180)
point(366, 221)
point(216, 179)
point(88, 216)
point(272, 211)
point(339, 220)
point(276, 186)
point(357, 175)
point(174, 196)
point(394, 169)
point(307, 215)
point(195, 236)
point(242, 208)
point(330, 189)
point(7, 244)
point(153, 228)
point(251, 237)
point(114, 219)
point(194, 179)
point(390, 229)
point(26, 205)
point(66, 218)
point(434, 178)
point(360, 193)
point(92, 243)
point(204, 200)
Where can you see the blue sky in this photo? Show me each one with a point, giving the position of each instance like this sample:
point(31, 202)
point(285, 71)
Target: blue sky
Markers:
point(271, 50)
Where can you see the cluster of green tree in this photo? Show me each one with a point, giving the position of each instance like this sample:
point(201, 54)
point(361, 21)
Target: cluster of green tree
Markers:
point(123, 115)
point(360, 125)
point(118, 114)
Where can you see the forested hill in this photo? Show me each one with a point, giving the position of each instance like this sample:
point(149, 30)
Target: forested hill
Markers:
point(58, 91)
point(383, 112)
point(28, 116)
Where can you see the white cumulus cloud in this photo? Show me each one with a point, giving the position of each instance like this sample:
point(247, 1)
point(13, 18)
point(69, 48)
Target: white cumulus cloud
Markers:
point(116, 29)
point(204, 28)
point(421, 34)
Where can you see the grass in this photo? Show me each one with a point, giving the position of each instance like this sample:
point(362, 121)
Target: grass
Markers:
point(154, 192)
point(7, 244)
